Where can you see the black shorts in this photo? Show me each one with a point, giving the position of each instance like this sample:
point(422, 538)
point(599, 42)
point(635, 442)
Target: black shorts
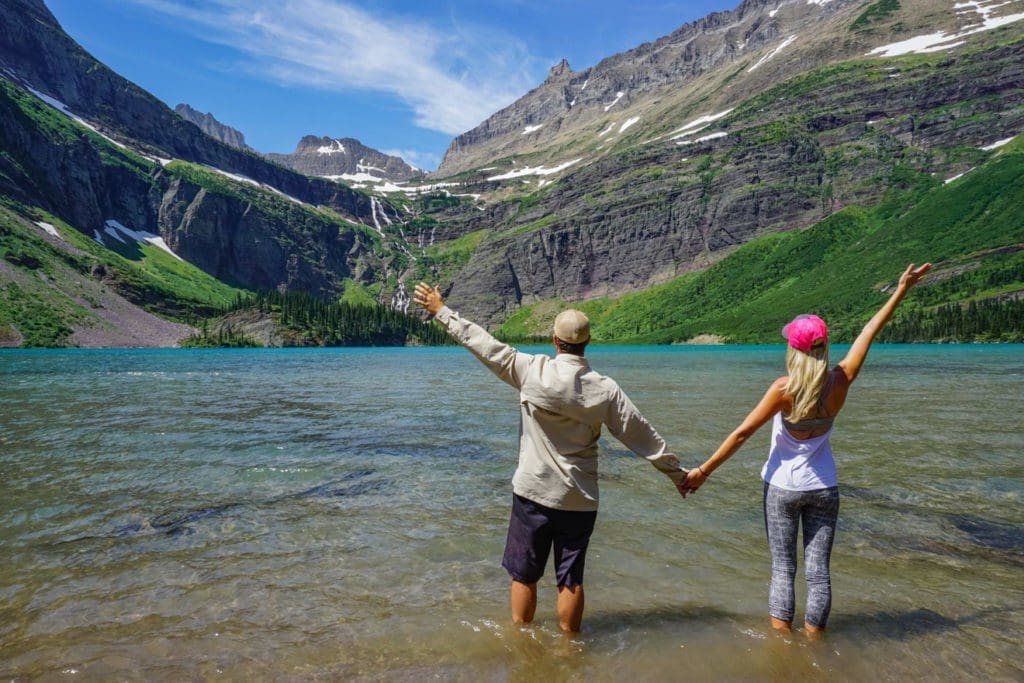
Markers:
point(533, 529)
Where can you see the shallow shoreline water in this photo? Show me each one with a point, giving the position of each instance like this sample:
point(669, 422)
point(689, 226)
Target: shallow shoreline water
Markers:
point(340, 513)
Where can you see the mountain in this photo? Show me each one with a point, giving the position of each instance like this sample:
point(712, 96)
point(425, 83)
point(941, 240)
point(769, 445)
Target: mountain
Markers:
point(756, 161)
point(85, 150)
point(744, 124)
point(843, 268)
point(344, 159)
point(214, 128)
point(568, 100)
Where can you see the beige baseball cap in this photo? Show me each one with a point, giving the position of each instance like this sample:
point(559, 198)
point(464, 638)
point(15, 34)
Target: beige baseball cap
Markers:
point(572, 326)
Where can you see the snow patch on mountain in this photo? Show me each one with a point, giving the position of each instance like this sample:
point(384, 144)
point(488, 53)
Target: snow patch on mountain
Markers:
point(355, 178)
point(629, 122)
point(49, 228)
point(63, 109)
point(530, 129)
point(689, 132)
point(234, 176)
point(771, 54)
point(618, 96)
point(607, 130)
point(249, 181)
point(113, 228)
point(535, 170)
point(334, 148)
point(698, 124)
point(713, 136)
point(935, 42)
point(997, 144)
point(381, 186)
point(112, 231)
point(947, 181)
point(365, 168)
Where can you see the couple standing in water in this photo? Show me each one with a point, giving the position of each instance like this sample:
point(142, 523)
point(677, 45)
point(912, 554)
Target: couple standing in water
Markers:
point(564, 403)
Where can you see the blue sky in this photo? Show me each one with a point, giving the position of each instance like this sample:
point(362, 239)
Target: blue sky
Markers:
point(399, 75)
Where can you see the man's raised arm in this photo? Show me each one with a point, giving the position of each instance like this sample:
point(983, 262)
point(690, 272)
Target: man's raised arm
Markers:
point(501, 359)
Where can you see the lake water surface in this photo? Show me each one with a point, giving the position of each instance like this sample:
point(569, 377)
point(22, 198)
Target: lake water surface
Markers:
point(341, 514)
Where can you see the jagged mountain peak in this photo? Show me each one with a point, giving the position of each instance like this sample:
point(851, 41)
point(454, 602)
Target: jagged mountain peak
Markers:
point(209, 124)
point(559, 70)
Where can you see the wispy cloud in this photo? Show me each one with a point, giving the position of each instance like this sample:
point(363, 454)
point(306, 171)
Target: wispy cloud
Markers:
point(428, 161)
point(451, 79)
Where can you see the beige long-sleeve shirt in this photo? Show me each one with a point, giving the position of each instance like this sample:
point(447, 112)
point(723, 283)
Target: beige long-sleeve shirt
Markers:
point(563, 404)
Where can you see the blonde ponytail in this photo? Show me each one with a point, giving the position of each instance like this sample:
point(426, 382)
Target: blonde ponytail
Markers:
point(808, 379)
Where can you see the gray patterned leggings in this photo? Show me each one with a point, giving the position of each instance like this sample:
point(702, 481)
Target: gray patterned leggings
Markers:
point(783, 512)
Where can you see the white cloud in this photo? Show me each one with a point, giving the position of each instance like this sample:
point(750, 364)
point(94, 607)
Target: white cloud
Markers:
point(427, 161)
point(451, 80)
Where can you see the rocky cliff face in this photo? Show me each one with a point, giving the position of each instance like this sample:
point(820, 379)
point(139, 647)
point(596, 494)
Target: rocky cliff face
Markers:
point(214, 128)
point(784, 159)
point(223, 236)
point(344, 158)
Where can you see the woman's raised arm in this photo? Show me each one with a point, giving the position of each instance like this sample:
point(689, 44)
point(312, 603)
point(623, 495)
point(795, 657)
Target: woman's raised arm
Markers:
point(855, 357)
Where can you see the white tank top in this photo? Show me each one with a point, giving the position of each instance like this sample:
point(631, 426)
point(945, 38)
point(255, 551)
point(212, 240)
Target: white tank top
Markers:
point(799, 464)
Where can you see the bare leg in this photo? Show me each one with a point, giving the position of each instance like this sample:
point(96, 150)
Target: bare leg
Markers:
point(570, 608)
point(523, 597)
point(782, 626)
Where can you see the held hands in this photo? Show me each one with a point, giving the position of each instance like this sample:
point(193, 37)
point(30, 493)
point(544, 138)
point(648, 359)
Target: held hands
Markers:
point(694, 479)
point(428, 298)
point(911, 276)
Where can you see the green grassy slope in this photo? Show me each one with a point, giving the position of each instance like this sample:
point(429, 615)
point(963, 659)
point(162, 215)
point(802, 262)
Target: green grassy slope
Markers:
point(970, 229)
point(49, 286)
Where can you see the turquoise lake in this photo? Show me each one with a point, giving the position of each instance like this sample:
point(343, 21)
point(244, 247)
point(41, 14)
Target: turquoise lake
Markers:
point(341, 513)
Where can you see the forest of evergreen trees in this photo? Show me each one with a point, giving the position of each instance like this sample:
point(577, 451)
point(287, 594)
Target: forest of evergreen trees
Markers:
point(987, 320)
point(319, 322)
point(311, 321)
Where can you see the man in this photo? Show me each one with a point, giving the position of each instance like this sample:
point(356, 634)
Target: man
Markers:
point(563, 404)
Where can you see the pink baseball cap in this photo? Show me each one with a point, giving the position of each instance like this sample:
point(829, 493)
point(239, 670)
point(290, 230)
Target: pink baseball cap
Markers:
point(805, 331)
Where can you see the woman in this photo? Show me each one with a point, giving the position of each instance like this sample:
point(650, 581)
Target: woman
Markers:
point(800, 474)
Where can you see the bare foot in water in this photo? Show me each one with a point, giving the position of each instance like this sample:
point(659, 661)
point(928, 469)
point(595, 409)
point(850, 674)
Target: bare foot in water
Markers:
point(813, 632)
point(783, 627)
